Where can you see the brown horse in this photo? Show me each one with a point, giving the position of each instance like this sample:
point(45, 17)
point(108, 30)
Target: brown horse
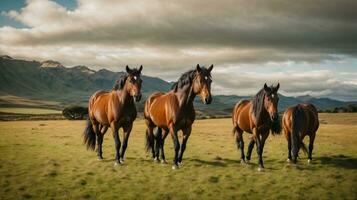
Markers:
point(115, 109)
point(258, 117)
point(174, 111)
point(299, 121)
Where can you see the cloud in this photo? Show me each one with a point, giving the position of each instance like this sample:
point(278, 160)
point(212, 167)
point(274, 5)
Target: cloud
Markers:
point(172, 36)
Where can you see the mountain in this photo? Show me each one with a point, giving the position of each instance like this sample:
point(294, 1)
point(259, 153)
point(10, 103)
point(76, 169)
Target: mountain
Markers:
point(57, 86)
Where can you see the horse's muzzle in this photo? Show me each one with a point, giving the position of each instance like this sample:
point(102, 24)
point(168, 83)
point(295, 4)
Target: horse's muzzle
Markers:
point(274, 117)
point(137, 97)
point(208, 100)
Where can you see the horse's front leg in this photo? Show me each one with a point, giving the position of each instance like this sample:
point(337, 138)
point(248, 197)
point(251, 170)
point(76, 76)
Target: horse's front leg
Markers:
point(262, 140)
point(186, 135)
point(115, 129)
point(256, 135)
point(176, 142)
point(127, 130)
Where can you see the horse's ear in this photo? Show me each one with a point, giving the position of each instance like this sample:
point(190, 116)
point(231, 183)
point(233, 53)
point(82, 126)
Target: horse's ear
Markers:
point(210, 68)
point(141, 68)
point(266, 88)
point(128, 70)
point(198, 68)
point(277, 87)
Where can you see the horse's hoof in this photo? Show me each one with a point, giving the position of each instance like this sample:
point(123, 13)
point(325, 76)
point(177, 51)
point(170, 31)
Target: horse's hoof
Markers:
point(174, 167)
point(117, 163)
point(100, 159)
point(163, 161)
point(260, 169)
point(156, 160)
point(121, 161)
point(242, 162)
point(309, 161)
point(179, 163)
point(288, 160)
point(247, 161)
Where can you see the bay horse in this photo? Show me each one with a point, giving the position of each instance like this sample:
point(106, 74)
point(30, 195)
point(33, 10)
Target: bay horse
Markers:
point(299, 121)
point(258, 116)
point(174, 111)
point(115, 109)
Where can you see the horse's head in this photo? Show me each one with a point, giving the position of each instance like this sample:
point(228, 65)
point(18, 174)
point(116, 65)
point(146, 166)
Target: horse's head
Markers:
point(202, 83)
point(133, 82)
point(271, 100)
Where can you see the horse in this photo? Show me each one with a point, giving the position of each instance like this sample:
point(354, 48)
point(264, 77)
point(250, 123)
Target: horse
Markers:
point(115, 109)
point(174, 111)
point(299, 121)
point(258, 116)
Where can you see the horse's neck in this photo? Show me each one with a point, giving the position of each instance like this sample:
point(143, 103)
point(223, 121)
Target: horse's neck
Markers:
point(263, 118)
point(123, 97)
point(185, 96)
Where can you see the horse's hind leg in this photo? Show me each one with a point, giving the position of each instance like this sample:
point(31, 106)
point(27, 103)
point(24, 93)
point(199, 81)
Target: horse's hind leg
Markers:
point(186, 135)
point(127, 131)
point(240, 143)
point(250, 149)
point(288, 137)
point(311, 146)
point(158, 138)
point(165, 133)
point(101, 132)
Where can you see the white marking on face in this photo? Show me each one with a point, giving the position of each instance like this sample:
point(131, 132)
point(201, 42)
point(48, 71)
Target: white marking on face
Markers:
point(206, 77)
point(272, 95)
point(135, 77)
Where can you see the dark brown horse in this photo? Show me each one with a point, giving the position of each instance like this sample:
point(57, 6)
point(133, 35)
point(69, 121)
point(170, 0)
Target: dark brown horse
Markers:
point(115, 109)
point(258, 117)
point(174, 111)
point(299, 121)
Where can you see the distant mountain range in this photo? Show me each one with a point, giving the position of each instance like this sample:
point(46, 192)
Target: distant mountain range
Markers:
point(50, 84)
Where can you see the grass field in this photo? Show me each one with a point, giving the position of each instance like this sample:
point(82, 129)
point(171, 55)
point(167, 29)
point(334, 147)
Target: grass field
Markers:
point(33, 111)
point(47, 160)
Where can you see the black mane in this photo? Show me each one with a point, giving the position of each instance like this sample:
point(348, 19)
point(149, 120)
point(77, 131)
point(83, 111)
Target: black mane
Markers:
point(258, 105)
point(187, 78)
point(119, 84)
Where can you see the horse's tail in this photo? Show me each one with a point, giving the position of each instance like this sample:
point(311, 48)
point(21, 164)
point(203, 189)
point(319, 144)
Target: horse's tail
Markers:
point(89, 136)
point(149, 140)
point(297, 122)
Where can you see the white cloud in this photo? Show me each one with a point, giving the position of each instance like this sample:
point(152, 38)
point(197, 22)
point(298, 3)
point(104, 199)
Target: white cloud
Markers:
point(248, 42)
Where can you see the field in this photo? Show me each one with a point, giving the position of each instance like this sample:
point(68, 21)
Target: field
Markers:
point(47, 160)
point(31, 111)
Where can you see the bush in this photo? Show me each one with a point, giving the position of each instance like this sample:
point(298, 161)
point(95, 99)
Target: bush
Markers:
point(75, 112)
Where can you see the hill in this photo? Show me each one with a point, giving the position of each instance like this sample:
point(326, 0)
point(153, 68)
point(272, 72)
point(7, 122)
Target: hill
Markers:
point(50, 84)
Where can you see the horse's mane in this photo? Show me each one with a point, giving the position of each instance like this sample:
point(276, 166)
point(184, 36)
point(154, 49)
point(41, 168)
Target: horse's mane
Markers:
point(187, 78)
point(258, 104)
point(119, 84)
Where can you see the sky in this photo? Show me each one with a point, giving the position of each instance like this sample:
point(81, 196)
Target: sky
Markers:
point(308, 46)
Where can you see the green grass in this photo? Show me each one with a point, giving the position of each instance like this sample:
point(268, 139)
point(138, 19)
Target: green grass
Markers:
point(46, 159)
point(29, 111)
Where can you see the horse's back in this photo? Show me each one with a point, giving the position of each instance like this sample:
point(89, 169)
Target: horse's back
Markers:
point(160, 108)
point(305, 113)
point(312, 116)
point(241, 115)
